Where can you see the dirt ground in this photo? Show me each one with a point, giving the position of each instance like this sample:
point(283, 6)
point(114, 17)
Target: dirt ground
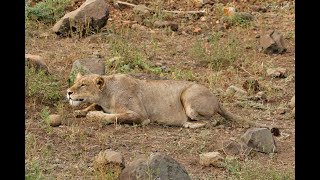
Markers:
point(67, 151)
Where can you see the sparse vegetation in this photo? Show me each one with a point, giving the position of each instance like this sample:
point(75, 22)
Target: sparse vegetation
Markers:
point(213, 58)
point(47, 11)
point(42, 86)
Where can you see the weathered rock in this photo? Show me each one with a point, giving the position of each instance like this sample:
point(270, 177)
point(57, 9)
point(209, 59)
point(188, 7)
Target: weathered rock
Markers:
point(211, 158)
point(92, 15)
point(162, 24)
point(251, 85)
point(261, 95)
point(54, 120)
point(157, 166)
point(236, 148)
point(277, 72)
point(234, 90)
point(272, 43)
point(260, 139)
point(88, 66)
point(109, 156)
point(141, 12)
point(139, 27)
point(109, 160)
point(179, 48)
point(292, 102)
point(36, 62)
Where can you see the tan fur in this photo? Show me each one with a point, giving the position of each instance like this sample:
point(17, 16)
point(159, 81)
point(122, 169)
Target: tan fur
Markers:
point(128, 100)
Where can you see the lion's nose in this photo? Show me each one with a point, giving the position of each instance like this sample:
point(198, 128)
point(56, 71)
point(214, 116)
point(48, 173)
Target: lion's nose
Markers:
point(69, 93)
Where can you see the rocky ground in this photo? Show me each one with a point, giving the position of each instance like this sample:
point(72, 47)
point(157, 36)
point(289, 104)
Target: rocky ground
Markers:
point(247, 61)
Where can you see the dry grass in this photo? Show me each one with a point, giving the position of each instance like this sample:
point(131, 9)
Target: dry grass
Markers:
point(216, 60)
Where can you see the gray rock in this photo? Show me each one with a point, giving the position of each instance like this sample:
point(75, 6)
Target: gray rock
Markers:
point(54, 120)
point(211, 158)
point(260, 139)
point(88, 66)
point(36, 62)
point(277, 72)
point(91, 15)
point(141, 12)
point(157, 166)
point(272, 43)
point(236, 148)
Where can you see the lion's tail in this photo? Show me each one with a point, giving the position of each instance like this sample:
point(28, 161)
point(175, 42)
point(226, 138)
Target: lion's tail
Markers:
point(231, 117)
point(228, 115)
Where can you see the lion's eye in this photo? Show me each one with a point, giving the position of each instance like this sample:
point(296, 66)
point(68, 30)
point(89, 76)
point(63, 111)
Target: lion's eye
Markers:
point(82, 85)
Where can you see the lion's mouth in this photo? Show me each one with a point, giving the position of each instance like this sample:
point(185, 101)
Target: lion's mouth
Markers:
point(75, 102)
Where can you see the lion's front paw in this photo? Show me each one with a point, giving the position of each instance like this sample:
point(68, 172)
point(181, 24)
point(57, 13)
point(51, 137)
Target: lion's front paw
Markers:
point(80, 113)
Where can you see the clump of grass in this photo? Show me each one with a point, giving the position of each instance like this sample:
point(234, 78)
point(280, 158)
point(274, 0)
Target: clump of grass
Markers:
point(132, 58)
point(44, 114)
point(34, 172)
point(251, 170)
point(40, 85)
point(220, 53)
point(47, 11)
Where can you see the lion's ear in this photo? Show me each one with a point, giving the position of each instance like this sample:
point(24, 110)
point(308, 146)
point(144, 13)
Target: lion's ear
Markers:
point(78, 75)
point(99, 82)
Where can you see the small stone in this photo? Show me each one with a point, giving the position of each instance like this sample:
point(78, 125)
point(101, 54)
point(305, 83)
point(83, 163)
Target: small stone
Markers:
point(179, 48)
point(233, 90)
point(139, 27)
point(260, 139)
point(292, 102)
point(261, 95)
point(88, 66)
point(158, 64)
point(54, 120)
point(211, 158)
point(277, 72)
point(36, 62)
point(109, 160)
point(229, 11)
point(203, 19)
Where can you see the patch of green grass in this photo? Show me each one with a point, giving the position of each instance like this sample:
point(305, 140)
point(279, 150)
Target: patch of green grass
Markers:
point(44, 114)
point(47, 11)
point(34, 172)
point(251, 170)
point(220, 52)
point(40, 85)
point(132, 59)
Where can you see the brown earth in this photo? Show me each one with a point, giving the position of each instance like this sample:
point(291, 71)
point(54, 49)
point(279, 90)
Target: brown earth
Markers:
point(67, 151)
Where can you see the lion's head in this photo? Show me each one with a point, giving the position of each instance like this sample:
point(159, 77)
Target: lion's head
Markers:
point(87, 88)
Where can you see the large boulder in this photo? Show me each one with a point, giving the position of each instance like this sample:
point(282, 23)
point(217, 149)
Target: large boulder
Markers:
point(260, 139)
point(92, 15)
point(88, 66)
point(157, 166)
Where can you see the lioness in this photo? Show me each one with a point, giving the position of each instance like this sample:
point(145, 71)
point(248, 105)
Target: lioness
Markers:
point(125, 99)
